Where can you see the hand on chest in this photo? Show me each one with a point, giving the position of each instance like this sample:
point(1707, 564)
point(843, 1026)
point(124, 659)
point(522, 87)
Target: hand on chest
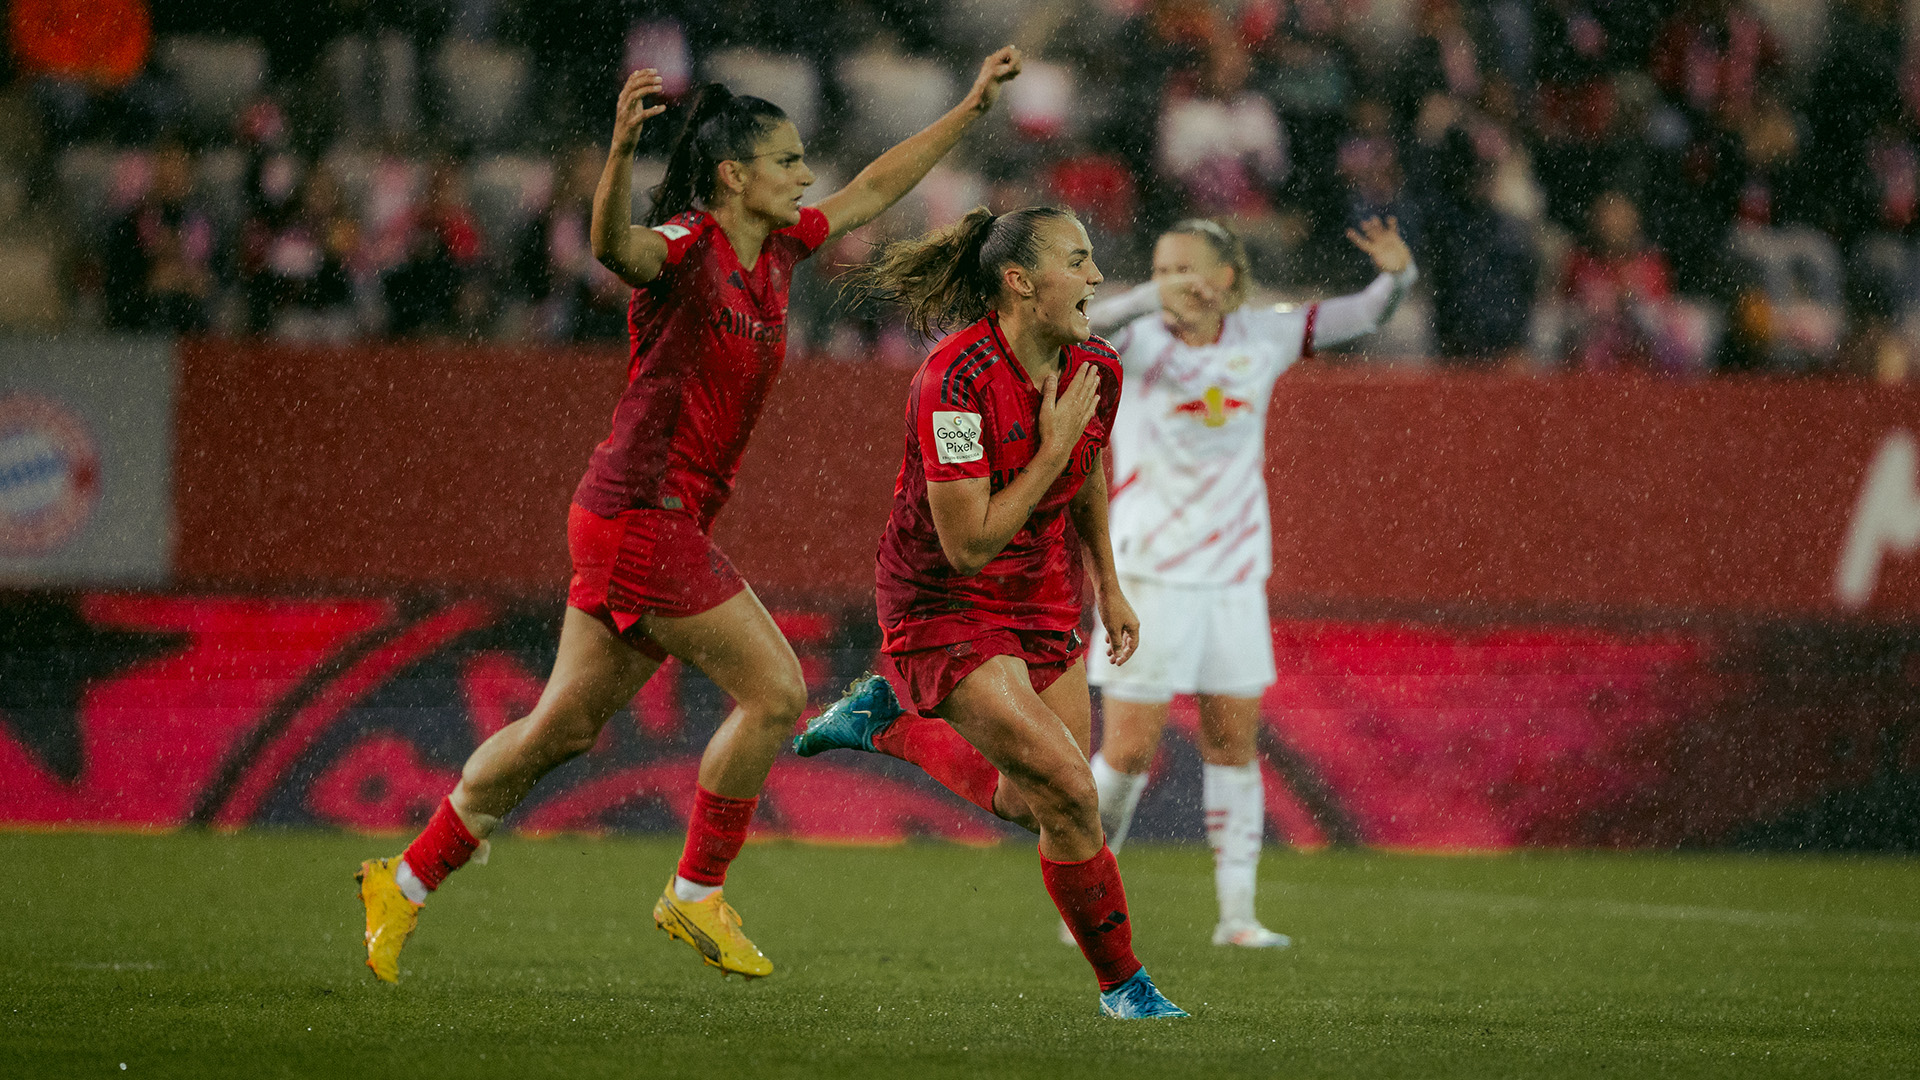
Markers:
point(1011, 434)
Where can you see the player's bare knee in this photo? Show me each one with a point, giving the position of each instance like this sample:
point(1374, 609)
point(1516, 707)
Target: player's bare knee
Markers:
point(780, 704)
point(1128, 759)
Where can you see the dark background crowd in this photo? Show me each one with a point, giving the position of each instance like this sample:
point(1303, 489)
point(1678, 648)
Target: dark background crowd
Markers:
point(1675, 186)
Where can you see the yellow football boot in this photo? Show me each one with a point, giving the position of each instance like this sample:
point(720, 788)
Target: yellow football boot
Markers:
point(712, 927)
point(390, 916)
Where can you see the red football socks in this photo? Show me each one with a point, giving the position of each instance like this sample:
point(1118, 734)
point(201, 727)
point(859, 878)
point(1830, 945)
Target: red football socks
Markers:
point(442, 847)
point(1094, 904)
point(942, 754)
point(715, 830)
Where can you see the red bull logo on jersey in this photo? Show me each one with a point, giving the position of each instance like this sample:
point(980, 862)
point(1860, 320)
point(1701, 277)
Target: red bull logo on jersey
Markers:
point(1212, 408)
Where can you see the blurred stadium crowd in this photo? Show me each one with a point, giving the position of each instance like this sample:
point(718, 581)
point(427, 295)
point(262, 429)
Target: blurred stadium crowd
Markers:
point(1677, 186)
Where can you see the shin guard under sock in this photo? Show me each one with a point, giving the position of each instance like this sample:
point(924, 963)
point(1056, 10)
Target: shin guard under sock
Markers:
point(1094, 905)
point(715, 831)
point(442, 847)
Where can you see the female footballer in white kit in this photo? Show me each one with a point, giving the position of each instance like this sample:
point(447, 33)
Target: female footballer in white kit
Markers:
point(1190, 529)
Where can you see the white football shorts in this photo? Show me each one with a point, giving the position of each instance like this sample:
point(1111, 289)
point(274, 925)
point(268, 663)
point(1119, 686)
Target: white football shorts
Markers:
point(1194, 639)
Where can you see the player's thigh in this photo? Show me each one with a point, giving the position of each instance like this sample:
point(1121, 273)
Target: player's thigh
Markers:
point(594, 674)
point(995, 708)
point(737, 645)
point(1069, 699)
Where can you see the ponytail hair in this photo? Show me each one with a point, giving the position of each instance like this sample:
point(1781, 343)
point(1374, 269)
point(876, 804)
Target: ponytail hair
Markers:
point(719, 127)
point(1228, 248)
point(951, 276)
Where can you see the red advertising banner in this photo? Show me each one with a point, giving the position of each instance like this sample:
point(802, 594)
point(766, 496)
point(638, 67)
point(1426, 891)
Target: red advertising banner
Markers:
point(130, 711)
point(445, 466)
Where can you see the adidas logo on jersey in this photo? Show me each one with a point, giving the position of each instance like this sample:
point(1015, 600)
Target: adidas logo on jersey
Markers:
point(734, 279)
point(1015, 433)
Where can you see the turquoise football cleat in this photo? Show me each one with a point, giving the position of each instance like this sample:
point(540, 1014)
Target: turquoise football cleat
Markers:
point(852, 722)
point(1138, 999)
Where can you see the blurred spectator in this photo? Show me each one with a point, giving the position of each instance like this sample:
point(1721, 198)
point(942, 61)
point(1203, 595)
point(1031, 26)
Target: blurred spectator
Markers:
point(1480, 259)
point(1772, 188)
point(1445, 57)
point(1220, 142)
point(576, 298)
point(295, 257)
point(1618, 292)
point(1576, 113)
point(1779, 203)
point(1369, 163)
point(438, 287)
point(160, 256)
point(1714, 57)
point(1853, 112)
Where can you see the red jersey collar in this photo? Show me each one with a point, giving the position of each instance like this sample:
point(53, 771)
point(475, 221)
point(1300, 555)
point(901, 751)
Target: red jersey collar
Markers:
point(1006, 353)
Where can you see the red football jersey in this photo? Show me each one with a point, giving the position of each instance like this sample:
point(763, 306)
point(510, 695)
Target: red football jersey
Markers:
point(708, 338)
point(972, 412)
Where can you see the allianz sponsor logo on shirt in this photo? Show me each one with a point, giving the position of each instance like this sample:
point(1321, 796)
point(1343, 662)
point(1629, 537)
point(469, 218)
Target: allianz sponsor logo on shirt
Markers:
point(49, 475)
point(956, 437)
point(740, 324)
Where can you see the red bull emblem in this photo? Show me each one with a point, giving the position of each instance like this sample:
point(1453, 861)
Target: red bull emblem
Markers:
point(1213, 407)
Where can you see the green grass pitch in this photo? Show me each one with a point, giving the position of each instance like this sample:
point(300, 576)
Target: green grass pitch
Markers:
point(199, 955)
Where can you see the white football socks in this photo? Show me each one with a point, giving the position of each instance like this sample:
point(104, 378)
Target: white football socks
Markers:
point(1119, 797)
point(691, 891)
point(1234, 798)
point(411, 886)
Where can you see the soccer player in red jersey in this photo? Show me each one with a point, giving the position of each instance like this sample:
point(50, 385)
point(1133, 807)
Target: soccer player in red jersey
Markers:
point(979, 607)
point(708, 322)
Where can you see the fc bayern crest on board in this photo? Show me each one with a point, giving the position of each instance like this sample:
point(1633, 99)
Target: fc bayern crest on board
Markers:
point(49, 475)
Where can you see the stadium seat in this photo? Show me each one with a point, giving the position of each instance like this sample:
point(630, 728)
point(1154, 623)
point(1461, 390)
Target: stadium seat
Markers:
point(217, 77)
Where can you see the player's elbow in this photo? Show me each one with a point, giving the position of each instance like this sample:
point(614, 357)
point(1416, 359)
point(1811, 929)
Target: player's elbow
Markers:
point(965, 561)
point(964, 565)
point(606, 252)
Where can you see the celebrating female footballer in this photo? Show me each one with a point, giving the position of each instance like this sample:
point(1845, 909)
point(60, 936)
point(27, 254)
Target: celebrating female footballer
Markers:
point(978, 605)
point(708, 322)
point(1190, 526)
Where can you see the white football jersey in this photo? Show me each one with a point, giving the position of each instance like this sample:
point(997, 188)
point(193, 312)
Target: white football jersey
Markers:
point(1189, 487)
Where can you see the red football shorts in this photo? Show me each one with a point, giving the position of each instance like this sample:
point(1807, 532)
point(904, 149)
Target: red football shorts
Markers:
point(645, 562)
point(931, 674)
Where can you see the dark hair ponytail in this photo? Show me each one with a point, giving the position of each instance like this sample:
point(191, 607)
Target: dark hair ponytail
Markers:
point(719, 127)
point(952, 275)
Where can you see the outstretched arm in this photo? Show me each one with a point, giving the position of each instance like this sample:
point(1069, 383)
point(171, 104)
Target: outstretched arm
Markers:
point(1344, 318)
point(634, 253)
point(893, 174)
point(1112, 312)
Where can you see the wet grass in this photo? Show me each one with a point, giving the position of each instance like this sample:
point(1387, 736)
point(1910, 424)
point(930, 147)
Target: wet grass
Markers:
point(211, 956)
